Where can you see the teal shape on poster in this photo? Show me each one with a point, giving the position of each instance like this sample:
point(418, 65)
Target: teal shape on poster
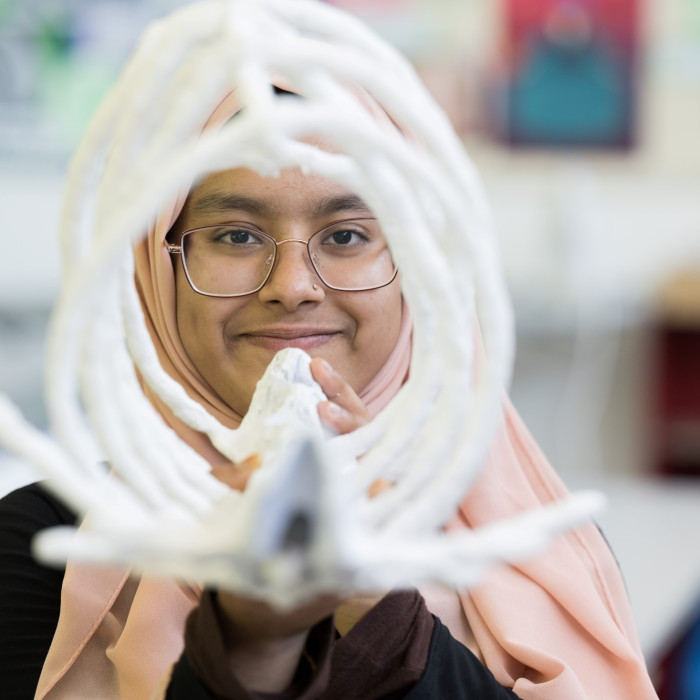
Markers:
point(568, 93)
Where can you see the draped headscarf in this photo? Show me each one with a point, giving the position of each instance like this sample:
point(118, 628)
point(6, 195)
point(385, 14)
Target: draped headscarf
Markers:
point(557, 627)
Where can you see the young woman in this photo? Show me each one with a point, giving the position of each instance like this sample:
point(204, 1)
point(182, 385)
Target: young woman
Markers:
point(555, 627)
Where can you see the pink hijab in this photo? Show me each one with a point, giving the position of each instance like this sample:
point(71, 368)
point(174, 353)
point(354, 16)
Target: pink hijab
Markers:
point(558, 627)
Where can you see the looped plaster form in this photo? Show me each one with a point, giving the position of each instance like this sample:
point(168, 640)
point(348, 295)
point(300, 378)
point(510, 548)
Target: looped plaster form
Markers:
point(305, 523)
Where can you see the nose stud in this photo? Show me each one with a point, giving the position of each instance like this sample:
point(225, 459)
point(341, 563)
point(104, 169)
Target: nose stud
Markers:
point(314, 287)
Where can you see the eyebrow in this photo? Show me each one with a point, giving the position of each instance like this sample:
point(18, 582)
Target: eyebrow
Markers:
point(344, 202)
point(220, 202)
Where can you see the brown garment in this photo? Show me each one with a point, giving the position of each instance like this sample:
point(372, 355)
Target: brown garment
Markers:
point(381, 657)
point(385, 653)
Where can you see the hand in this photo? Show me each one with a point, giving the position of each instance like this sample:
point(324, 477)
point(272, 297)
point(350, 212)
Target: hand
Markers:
point(344, 411)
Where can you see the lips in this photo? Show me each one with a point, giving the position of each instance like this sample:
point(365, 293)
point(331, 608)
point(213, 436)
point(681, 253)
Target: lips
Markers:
point(276, 339)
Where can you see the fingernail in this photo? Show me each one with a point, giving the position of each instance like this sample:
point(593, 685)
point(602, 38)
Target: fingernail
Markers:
point(328, 368)
point(334, 409)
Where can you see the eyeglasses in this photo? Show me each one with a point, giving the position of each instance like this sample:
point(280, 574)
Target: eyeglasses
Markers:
point(232, 260)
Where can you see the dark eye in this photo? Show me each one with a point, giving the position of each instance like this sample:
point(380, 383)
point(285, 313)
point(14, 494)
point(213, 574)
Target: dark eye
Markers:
point(237, 236)
point(342, 237)
point(345, 237)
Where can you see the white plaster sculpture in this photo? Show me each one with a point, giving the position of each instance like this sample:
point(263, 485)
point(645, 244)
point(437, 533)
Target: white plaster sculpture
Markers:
point(305, 523)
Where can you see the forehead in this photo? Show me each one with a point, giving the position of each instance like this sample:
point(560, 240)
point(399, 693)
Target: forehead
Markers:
point(292, 193)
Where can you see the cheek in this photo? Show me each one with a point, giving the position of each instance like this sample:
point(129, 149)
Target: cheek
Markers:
point(378, 321)
point(190, 311)
point(384, 311)
point(200, 322)
point(195, 335)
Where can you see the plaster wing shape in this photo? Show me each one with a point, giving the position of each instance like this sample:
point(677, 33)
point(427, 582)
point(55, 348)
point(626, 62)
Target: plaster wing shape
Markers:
point(296, 531)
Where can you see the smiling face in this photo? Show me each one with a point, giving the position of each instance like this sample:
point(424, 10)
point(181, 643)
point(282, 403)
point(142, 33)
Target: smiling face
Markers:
point(232, 340)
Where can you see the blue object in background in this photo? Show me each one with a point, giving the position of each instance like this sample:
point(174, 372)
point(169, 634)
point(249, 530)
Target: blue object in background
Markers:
point(688, 687)
point(570, 95)
point(678, 673)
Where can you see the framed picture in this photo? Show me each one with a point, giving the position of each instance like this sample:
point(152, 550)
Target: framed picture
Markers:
point(569, 73)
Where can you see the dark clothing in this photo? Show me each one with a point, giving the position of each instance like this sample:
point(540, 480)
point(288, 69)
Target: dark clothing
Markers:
point(397, 650)
point(30, 594)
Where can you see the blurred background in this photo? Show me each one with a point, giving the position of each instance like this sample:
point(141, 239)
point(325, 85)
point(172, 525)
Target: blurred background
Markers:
point(582, 117)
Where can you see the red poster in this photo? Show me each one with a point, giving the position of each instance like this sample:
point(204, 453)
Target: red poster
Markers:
point(569, 73)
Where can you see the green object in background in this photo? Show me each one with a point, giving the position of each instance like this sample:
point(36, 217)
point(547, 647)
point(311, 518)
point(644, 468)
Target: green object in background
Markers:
point(5, 7)
point(692, 12)
point(70, 93)
point(71, 80)
point(55, 36)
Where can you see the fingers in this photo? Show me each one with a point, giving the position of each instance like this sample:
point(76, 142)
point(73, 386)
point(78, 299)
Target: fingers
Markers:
point(344, 411)
point(236, 475)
